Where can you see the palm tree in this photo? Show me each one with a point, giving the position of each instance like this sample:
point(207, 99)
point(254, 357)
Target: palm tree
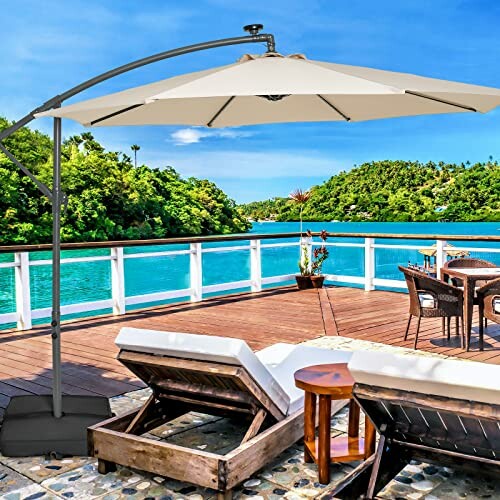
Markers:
point(135, 148)
point(300, 197)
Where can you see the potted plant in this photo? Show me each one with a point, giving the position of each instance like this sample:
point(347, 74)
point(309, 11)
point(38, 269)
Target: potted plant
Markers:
point(320, 254)
point(310, 268)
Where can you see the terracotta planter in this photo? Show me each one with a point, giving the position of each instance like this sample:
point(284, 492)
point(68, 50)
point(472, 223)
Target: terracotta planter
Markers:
point(303, 282)
point(317, 281)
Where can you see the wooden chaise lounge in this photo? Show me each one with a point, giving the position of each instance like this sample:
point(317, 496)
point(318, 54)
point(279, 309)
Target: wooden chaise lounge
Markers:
point(438, 411)
point(216, 376)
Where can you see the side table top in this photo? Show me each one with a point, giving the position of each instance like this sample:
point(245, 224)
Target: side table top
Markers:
point(334, 380)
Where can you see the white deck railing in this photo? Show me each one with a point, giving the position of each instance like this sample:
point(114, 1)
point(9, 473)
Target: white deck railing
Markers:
point(24, 315)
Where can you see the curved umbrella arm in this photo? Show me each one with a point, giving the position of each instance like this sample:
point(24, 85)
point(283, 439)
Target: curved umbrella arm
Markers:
point(58, 99)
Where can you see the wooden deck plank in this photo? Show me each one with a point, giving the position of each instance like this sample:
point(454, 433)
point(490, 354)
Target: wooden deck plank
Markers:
point(329, 323)
point(262, 319)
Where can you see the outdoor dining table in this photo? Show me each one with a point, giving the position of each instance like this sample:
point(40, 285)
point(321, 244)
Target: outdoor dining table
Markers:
point(469, 276)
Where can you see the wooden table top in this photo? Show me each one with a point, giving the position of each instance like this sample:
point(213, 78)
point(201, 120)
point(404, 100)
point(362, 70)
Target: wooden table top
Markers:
point(473, 272)
point(334, 380)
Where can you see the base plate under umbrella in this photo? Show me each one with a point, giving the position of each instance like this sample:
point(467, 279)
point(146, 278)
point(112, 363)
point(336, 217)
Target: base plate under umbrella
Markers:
point(29, 427)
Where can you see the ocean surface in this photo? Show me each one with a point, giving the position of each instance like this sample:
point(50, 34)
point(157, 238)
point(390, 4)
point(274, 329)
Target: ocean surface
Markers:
point(89, 281)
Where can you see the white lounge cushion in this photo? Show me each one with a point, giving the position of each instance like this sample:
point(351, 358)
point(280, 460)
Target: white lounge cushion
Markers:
point(426, 300)
point(283, 360)
point(205, 348)
point(467, 380)
point(272, 368)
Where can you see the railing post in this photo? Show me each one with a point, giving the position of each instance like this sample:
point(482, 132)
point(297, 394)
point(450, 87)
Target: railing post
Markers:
point(23, 292)
point(118, 280)
point(255, 265)
point(196, 272)
point(369, 264)
point(440, 256)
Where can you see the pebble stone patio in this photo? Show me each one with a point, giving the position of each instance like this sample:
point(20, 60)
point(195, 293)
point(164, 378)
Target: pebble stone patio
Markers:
point(287, 477)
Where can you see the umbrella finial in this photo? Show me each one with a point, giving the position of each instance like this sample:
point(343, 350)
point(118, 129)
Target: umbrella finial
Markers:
point(253, 29)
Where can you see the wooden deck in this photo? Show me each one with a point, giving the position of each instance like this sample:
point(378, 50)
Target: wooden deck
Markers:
point(278, 315)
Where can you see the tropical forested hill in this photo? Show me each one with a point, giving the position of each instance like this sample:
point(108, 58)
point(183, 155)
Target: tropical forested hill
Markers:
point(396, 191)
point(109, 198)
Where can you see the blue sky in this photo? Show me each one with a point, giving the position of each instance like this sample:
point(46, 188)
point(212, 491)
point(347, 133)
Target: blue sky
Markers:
point(46, 50)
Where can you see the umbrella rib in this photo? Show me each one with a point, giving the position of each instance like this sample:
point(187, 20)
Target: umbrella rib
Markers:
point(444, 101)
point(116, 113)
point(337, 110)
point(223, 107)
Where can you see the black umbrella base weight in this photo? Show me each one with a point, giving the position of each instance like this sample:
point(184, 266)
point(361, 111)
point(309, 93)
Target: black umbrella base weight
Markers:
point(30, 429)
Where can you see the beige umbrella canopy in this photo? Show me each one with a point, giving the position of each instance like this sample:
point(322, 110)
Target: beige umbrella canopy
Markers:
point(272, 88)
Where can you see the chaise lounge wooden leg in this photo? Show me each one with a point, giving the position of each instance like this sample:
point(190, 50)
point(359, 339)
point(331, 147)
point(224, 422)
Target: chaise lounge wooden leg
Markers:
point(389, 461)
point(141, 416)
point(103, 466)
point(255, 426)
point(376, 466)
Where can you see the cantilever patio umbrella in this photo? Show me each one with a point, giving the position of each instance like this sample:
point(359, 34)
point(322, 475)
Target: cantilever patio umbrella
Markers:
point(257, 89)
point(272, 88)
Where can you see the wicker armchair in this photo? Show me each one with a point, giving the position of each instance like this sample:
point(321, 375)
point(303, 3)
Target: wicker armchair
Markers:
point(489, 306)
point(432, 298)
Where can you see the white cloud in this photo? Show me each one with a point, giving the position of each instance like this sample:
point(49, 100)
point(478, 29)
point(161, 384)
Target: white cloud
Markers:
point(194, 135)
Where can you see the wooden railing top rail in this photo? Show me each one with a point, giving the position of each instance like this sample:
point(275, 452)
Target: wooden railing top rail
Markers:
point(239, 237)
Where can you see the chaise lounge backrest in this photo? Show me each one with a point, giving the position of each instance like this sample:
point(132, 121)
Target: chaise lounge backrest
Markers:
point(221, 369)
point(212, 363)
point(428, 402)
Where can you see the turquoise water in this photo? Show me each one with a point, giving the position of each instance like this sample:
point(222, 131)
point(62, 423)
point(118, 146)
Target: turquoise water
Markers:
point(89, 281)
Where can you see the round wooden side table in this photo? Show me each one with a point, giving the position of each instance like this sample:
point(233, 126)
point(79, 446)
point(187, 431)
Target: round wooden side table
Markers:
point(331, 382)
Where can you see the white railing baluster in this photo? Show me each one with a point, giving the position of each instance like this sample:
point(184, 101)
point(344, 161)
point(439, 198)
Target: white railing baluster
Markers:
point(369, 264)
point(119, 302)
point(23, 292)
point(440, 256)
point(118, 280)
point(196, 272)
point(255, 265)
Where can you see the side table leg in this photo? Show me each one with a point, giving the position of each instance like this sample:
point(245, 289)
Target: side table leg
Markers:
point(370, 436)
point(309, 424)
point(353, 428)
point(324, 440)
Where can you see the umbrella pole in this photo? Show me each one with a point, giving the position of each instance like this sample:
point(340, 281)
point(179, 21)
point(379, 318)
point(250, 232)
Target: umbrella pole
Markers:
point(81, 411)
point(56, 271)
